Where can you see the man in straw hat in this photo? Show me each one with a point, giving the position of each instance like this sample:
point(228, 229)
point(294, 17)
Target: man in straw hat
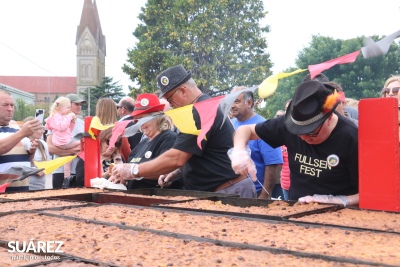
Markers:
point(203, 169)
point(322, 146)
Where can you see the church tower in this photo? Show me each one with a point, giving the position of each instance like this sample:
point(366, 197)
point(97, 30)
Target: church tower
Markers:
point(90, 48)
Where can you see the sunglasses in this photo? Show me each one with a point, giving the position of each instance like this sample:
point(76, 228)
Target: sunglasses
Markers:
point(117, 144)
point(169, 98)
point(315, 134)
point(118, 107)
point(395, 90)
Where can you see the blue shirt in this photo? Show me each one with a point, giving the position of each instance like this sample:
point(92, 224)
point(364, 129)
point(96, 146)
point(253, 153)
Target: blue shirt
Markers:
point(261, 153)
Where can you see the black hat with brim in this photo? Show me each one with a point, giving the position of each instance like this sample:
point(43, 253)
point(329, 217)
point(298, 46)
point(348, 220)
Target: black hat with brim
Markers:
point(172, 78)
point(305, 112)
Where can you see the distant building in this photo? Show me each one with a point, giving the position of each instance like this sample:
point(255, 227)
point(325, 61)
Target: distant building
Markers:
point(44, 89)
point(90, 55)
point(18, 94)
point(91, 48)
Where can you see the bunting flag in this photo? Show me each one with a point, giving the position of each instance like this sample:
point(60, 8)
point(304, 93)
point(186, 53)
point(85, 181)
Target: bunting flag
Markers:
point(132, 130)
point(269, 85)
point(227, 102)
point(82, 155)
point(380, 48)
point(16, 171)
point(52, 165)
point(117, 131)
point(207, 111)
point(183, 119)
point(96, 124)
point(78, 137)
point(318, 68)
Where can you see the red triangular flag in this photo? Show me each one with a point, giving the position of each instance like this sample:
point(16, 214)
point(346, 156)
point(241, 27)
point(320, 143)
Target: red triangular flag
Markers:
point(117, 131)
point(207, 111)
point(318, 68)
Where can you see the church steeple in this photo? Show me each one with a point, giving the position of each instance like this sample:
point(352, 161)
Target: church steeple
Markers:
point(91, 48)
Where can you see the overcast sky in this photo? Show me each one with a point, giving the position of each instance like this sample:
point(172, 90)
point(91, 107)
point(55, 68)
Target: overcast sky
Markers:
point(38, 36)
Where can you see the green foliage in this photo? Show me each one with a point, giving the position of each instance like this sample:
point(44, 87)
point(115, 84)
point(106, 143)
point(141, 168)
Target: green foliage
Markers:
point(107, 88)
point(221, 42)
point(23, 110)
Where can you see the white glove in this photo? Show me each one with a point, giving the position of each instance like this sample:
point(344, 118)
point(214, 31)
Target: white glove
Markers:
point(121, 172)
point(104, 183)
point(242, 162)
point(166, 180)
point(341, 200)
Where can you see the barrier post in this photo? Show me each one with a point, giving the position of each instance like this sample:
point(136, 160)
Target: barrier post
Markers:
point(92, 154)
point(378, 153)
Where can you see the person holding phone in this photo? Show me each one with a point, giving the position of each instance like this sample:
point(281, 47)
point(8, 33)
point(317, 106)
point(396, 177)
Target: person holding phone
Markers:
point(12, 151)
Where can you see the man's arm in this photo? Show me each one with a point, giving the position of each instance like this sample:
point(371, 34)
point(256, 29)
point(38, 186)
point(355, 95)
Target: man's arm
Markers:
point(270, 174)
point(27, 129)
point(167, 162)
point(243, 134)
point(61, 152)
point(350, 200)
point(240, 153)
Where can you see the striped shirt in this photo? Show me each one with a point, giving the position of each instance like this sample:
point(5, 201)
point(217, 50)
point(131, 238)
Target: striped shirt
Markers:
point(17, 156)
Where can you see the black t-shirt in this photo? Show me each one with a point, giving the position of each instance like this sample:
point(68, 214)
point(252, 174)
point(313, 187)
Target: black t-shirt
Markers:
point(210, 166)
point(147, 150)
point(327, 168)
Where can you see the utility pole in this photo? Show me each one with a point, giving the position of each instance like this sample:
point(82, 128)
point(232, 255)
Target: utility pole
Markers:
point(88, 91)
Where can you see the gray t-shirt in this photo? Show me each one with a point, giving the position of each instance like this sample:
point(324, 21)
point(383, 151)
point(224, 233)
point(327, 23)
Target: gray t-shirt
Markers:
point(79, 128)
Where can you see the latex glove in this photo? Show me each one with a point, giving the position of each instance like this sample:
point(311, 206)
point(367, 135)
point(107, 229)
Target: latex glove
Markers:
point(242, 162)
point(340, 200)
point(166, 180)
point(121, 172)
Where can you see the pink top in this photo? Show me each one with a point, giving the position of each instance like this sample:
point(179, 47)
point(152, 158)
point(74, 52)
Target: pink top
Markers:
point(285, 172)
point(61, 127)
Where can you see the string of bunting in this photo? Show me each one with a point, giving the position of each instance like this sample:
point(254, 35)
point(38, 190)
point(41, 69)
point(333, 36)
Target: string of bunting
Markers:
point(183, 117)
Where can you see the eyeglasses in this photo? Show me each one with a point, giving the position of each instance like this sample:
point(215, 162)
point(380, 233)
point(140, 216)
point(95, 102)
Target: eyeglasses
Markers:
point(117, 144)
point(118, 107)
point(394, 90)
point(315, 134)
point(169, 98)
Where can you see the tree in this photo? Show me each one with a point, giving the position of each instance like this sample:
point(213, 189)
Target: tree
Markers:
point(23, 110)
point(107, 88)
point(362, 79)
point(221, 42)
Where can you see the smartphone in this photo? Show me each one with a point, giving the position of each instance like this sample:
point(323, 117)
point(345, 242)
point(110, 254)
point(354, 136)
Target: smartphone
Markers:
point(39, 114)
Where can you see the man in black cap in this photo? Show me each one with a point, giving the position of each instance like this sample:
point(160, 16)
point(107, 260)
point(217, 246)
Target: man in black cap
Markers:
point(204, 169)
point(322, 146)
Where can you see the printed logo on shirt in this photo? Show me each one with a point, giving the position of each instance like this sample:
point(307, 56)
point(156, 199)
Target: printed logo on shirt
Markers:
point(333, 160)
point(135, 160)
point(148, 154)
point(311, 166)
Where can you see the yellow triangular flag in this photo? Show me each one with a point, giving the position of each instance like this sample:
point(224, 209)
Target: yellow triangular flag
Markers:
point(183, 119)
point(96, 124)
point(269, 85)
point(52, 165)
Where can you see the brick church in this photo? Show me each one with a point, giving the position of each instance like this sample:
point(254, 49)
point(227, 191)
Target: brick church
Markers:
point(90, 62)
